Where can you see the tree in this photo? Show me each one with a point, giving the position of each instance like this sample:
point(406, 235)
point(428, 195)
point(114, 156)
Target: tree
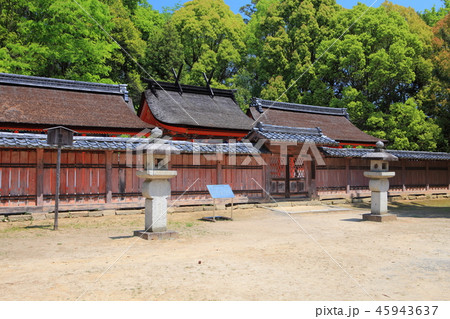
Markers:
point(212, 39)
point(124, 60)
point(434, 98)
point(57, 39)
point(283, 38)
point(275, 90)
point(408, 128)
point(148, 21)
point(431, 17)
point(164, 51)
point(379, 56)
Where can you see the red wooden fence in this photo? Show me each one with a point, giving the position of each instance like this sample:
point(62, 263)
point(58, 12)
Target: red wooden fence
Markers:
point(103, 179)
point(343, 177)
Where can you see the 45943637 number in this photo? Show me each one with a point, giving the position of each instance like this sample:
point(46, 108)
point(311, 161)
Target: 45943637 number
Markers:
point(407, 310)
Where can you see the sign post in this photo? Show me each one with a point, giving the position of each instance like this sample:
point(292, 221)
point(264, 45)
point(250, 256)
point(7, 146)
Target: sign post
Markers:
point(59, 136)
point(220, 191)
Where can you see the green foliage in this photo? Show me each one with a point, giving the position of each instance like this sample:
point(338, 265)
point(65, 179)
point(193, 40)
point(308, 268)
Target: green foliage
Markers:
point(386, 65)
point(164, 51)
point(434, 98)
point(431, 17)
point(275, 90)
point(408, 128)
point(212, 39)
point(57, 39)
point(379, 56)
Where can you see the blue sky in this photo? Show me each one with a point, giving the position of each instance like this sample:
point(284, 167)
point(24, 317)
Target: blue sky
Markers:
point(418, 5)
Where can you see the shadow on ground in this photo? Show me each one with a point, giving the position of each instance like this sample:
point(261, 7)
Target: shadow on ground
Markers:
point(120, 237)
point(50, 227)
point(418, 209)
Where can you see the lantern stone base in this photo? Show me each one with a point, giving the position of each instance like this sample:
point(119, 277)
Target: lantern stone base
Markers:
point(379, 218)
point(170, 234)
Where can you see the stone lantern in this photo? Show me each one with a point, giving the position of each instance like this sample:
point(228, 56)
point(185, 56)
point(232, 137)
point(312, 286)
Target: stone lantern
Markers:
point(378, 183)
point(156, 189)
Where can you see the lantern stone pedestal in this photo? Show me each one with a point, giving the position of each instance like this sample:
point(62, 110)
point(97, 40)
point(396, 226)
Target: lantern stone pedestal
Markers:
point(156, 189)
point(379, 184)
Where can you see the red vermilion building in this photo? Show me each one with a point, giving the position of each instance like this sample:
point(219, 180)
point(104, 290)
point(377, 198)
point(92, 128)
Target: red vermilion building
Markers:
point(193, 112)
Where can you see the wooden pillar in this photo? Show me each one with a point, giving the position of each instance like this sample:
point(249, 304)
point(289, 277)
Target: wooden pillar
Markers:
point(108, 175)
point(39, 177)
point(427, 175)
point(448, 174)
point(287, 181)
point(267, 178)
point(219, 170)
point(310, 179)
point(403, 176)
point(347, 173)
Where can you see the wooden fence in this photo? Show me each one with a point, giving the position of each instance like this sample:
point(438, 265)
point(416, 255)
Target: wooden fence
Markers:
point(103, 179)
point(343, 177)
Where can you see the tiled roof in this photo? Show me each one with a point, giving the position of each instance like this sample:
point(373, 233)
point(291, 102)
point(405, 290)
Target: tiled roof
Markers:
point(410, 155)
point(334, 122)
point(19, 140)
point(28, 101)
point(232, 148)
point(295, 134)
point(260, 104)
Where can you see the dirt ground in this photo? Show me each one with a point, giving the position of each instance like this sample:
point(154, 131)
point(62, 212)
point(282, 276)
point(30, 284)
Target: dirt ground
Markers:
point(263, 254)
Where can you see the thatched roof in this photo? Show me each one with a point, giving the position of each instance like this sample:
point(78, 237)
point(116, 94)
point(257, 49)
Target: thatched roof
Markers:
point(195, 106)
point(43, 102)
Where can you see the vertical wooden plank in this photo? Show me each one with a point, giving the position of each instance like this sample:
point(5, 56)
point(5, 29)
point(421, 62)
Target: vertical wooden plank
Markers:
point(403, 176)
point(15, 173)
point(347, 174)
point(448, 174)
point(219, 166)
point(23, 161)
point(286, 181)
point(5, 160)
point(63, 177)
point(267, 176)
point(39, 177)
point(95, 176)
point(427, 175)
point(108, 175)
point(71, 170)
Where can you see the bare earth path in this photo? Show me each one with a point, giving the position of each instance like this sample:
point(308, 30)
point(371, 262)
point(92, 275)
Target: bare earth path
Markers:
point(261, 255)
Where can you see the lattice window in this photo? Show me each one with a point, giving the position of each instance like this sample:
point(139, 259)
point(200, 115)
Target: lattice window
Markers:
point(276, 169)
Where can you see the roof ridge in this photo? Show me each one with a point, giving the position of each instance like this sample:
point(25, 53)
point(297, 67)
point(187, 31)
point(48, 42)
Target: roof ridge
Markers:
point(186, 88)
point(288, 129)
point(123, 143)
point(259, 103)
point(53, 83)
point(342, 152)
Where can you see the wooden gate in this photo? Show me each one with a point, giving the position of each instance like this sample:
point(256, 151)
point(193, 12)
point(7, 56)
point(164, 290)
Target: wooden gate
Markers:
point(288, 176)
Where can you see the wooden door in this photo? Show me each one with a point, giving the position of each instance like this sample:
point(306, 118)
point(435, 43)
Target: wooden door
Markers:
point(288, 177)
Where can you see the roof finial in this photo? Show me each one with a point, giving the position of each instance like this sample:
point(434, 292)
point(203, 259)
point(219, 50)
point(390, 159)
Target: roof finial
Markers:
point(208, 82)
point(177, 78)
